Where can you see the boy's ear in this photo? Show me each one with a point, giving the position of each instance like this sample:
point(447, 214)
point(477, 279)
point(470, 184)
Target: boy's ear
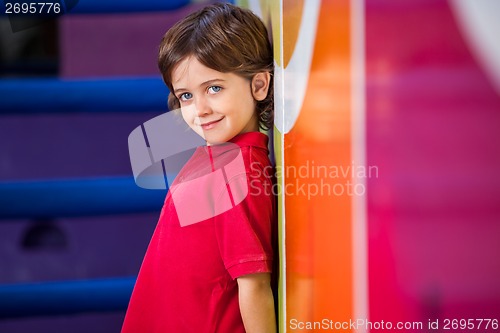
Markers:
point(260, 85)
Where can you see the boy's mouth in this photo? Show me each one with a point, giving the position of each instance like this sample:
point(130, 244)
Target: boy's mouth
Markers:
point(211, 124)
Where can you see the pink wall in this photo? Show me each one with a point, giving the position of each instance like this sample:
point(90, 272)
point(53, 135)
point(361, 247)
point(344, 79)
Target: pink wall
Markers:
point(432, 130)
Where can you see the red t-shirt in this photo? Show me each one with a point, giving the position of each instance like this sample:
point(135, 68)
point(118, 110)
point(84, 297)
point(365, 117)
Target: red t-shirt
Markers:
point(210, 232)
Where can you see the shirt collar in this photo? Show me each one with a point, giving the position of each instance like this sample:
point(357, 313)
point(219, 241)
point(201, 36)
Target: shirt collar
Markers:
point(253, 139)
point(248, 139)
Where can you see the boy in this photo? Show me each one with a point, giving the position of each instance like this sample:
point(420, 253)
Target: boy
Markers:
point(214, 274)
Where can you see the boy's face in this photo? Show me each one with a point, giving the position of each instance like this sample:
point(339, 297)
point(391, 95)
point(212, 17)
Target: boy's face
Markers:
point(218, 106)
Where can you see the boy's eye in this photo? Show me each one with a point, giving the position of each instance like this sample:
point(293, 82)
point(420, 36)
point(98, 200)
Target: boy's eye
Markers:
point(214, 89)
point(185, 96)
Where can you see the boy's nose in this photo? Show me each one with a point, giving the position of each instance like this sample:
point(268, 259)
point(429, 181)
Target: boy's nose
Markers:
point(202, 106)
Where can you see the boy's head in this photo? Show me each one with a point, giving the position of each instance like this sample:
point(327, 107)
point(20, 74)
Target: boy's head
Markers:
point(225, 39)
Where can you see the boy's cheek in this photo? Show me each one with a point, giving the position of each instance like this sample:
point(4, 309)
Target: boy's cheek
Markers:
point(188, 114)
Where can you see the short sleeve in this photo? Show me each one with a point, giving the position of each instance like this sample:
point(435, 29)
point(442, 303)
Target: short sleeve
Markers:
point(244, 232)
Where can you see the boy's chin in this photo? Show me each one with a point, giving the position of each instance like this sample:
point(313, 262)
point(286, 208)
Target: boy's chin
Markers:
point(216, 142)
point(213, 139)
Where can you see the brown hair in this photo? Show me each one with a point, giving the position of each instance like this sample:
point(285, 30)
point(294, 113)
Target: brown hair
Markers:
point(225, 38)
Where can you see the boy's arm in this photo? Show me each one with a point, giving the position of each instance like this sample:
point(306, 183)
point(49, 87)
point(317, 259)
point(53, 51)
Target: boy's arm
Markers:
point(257, 303)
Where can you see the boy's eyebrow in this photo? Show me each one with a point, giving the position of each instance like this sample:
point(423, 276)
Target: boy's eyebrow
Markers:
point(201, 85)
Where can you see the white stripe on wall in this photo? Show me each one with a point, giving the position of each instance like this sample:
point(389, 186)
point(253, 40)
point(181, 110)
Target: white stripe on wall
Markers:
point(358, 150)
